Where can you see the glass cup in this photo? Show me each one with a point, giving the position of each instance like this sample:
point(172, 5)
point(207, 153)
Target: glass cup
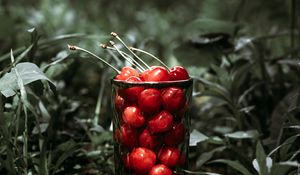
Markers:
point(151, 126)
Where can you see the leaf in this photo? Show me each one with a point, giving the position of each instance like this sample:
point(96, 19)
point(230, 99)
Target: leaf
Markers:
point(202, 26)
point(197, 137)
point(279, 169)
point(200, 173)
point(234, 164)
point(261, 159)
point(63, 151)
point(208, 155)
point(42, 127)
point(28, 73)
point(251, 134)
point(193, 54)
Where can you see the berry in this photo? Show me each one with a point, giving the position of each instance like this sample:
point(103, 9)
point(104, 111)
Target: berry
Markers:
point(126, 72)
point(161, 122)
point(126, 161)
point(160, 169)
point(133, 116)
point(147, 140)
point(169, 156)
point(173, 99)
point(150, 101)
point(131, 94)
point(175, 135)
point(156, 74)
point(178, 73)
point(119, 103)
point(142, 160)
point(126, 135)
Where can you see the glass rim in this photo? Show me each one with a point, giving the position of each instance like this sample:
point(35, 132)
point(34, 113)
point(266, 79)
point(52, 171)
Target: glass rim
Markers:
point(181, 83)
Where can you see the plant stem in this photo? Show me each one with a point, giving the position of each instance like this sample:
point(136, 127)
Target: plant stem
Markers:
point(151, 55)
point(118, 38)
point(92, 54)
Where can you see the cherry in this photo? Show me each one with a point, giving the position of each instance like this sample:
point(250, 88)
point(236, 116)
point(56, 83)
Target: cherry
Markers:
point(126, 135)
point(175, 135)
point(142, 159)
point(126, 72)
point(147, 140)
point(150, 100)
point(119, 103)
point(133, 116)
point(161, 122)
point(169, 156)
point(156, 74)
point(126, 161)
point(179, 73)
point(160, 169)
point(173, 99)
point(131, 94)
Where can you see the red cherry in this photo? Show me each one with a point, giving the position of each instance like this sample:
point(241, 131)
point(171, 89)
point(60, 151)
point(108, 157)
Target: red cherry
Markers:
point(160, 169)
point(156, 74)
point(133, 116)
point(179, 73)
point(119, 103)
point(147, 140)
point(126, 135)
point(131, 94)
point(169, 156)
point(176, 135)
point(150, 100)
point(126, 161)
point(161, 122)
point(173, 99)
point(126, 72)
point(142, 160)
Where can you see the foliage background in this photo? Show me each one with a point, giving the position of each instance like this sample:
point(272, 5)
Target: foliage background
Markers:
point(243, 56)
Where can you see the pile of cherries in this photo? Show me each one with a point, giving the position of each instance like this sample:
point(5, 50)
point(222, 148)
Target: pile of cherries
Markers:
point(149, 126)
point(151, 121)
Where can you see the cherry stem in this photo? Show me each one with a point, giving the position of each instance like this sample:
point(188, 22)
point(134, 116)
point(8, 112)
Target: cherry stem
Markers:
point(118, 38)
point(126, 56)
point(72, 47)
point(151, 55)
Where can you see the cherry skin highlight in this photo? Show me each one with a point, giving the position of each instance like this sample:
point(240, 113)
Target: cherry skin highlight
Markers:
point(178, 73)
point(126, 135)
point(173, 99)
point(161, 122)
point(160, 169)
point(156, 74)
point(131, 94)
point(150, 101)
point(127, 72)
point(133, 116)
point(142, 160)
point(169, 156)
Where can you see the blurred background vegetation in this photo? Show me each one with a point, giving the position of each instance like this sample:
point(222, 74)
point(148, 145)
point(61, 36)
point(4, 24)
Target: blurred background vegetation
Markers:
point(242, 54)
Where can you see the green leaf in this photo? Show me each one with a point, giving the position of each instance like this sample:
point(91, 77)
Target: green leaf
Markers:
point(197, 137)
point(63, 151)
point(251, 134)
point(28, 72)
point(278, 169)
point(234, 164)
point(261, 159)
point(203, 26)
point(208, 155)
point(193, 54)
